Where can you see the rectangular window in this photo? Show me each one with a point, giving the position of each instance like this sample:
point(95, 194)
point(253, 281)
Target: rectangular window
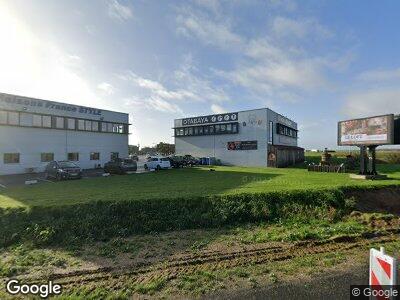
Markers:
point(73, 156)
point(217, 128)
point(186, 131)
point(195, 130)
point(81, 124)
point(13, 118)
point(3, 117)
point(109, 127)
point(114, 156)
point(46, 157)
point(71, 124)
point(234, 128)
point(271, 132)
point(88, 125)
point(11, 158)
point(26, 119)
point(95, 126)
point(60, 122)
point(200, 130)
point(37, 120)
point(228, 127)
point(205, 129)
point(94, 156)
point(211, 129)
point(103, 127)
point(46, 121)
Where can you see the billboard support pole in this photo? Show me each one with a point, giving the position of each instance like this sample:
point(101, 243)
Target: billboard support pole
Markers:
point(372, 151)
point(363, 170)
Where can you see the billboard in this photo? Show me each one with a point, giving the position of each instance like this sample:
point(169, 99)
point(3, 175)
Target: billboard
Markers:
point(377, 130)
point(228, 117)
point(242, 145)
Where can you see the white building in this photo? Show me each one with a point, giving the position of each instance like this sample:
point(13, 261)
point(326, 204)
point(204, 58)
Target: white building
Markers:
point(259, 137)
point(34, 132)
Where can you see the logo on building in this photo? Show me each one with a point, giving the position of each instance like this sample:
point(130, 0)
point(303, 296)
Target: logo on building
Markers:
point(210, 119)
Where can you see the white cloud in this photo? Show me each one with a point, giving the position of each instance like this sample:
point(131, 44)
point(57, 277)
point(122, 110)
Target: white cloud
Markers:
point(372, 102)
point(106, 87)
point(119, 11)
point(217, 109)
point(299, 28)
point(380, 75)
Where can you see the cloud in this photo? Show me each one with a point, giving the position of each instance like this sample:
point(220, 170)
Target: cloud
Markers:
point(119, 11)
point(286, 27)
point(216, 109)
point(372, 102)
point(380, 75)
point(209, 32)
point(288, 5)
point(106, 87)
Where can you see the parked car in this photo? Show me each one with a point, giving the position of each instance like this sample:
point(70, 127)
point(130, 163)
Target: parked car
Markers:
point(157, 163)
point(63, 170)
point(190, 160)
point(177, 161)
point(120, 166)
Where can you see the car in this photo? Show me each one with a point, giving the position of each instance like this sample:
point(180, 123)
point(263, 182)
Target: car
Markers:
point(177, 161)
point(157, 163)
point(190, 160)
point(61, 170)
point(120, 166)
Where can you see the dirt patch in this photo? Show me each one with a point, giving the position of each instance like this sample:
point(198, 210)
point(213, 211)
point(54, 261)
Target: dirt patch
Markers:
point(385, 200)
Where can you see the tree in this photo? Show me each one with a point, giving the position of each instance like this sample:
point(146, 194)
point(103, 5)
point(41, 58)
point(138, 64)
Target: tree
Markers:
point(133, 150)
point(165, 148)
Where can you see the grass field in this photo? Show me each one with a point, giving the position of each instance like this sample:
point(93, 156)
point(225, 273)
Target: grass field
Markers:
point(184, 182)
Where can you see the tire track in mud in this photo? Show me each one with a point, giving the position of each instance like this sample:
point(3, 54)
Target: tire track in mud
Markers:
point(214, 260)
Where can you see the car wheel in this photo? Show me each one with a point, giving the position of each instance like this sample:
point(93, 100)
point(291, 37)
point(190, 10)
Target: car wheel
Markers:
point(158, 168)
point(146, 167)
point(58, 177)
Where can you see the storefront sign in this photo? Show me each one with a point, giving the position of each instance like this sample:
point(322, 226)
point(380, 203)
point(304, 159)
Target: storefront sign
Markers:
point(242, 145)
point(229, 117)
point(15, 100)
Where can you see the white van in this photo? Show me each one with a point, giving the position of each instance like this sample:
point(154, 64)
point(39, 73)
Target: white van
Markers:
point(157, 163)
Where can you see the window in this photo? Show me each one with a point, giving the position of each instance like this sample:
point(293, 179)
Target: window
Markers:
point(217, 128)
point(46, 121)
point(13, 118)
point(95, 126)
point(109, 127)
point(71, 124)
point(88, 125)
point(186, 131)
point(46, 157)
point(228, 127)
point(103, 127)
point(211, 129)
point(81, 124)
point(271, 132)
point(37, 120)
point(60, 122)
point(11, 158)
point(73, 156)
point(201, 130)
point(26, 119)
point(114, 155)
point(234, 128)
point(205, 129)
point(94, 156)
point(3, 117)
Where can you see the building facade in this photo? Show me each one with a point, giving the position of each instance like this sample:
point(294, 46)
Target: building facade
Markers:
point(35, 131)
point(259, 137)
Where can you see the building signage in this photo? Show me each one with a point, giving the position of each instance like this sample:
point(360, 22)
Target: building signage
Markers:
point(367, 131)
point(242, 145)
point(14, 100)
point(229, 117)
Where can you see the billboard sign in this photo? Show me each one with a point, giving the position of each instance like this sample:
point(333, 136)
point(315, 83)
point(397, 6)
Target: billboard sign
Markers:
point(377, 130)
point(242, 145)
point(228, 117)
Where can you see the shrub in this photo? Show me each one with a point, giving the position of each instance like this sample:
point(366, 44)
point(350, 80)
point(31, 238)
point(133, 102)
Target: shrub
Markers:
point(104, 220)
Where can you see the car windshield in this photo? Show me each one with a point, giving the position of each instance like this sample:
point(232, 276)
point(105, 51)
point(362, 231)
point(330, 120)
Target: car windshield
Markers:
point(67, 164)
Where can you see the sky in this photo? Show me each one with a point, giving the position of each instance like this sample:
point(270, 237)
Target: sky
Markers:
point(316, 62)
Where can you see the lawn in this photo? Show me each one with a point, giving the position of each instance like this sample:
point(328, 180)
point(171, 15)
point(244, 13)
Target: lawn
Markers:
point(198, 181)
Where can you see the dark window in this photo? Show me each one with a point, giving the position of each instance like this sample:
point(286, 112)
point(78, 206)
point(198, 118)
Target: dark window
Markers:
point(46, 157)
point(217, 128)
point(73, 156)
point(234, 128)
point(11, 158)
point(201, 130)
point(114, 155)
point(195, 130)
point(205, 129)
point(94, 156)
point(271, 132)
point(211, 129)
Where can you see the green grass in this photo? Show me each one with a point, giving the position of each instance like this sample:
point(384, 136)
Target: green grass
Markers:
point(183, 183)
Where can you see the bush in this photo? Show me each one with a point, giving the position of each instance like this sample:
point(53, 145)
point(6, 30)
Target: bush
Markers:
point(393, 158)
point(104, 220)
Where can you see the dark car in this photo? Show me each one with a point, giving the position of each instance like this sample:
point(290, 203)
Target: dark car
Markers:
point(177, 161)
point(63, 170)
point(120, 166)
point(190, 160)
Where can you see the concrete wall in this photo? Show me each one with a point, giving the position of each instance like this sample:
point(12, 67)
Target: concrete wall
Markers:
point(253, 125)
point(31, 142)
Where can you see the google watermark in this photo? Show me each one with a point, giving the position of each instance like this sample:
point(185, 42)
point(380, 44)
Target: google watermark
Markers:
point(14, 287)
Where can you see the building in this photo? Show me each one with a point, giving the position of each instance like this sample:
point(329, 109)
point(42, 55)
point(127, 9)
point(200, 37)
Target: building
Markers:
point(259, 137)
point(34, 132)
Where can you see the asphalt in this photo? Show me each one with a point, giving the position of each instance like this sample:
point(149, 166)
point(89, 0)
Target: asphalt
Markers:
point(325, 286)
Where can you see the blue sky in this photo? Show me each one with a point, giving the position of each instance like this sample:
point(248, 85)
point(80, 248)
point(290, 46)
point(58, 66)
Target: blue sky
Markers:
point(316, 62)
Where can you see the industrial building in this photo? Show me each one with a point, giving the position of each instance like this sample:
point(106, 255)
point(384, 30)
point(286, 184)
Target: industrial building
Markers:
point(259, 137)
point(35, 131)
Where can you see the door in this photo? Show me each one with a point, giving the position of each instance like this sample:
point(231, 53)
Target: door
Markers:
point(271, 158)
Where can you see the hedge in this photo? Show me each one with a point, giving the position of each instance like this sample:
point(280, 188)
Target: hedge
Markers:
point(107, 219)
